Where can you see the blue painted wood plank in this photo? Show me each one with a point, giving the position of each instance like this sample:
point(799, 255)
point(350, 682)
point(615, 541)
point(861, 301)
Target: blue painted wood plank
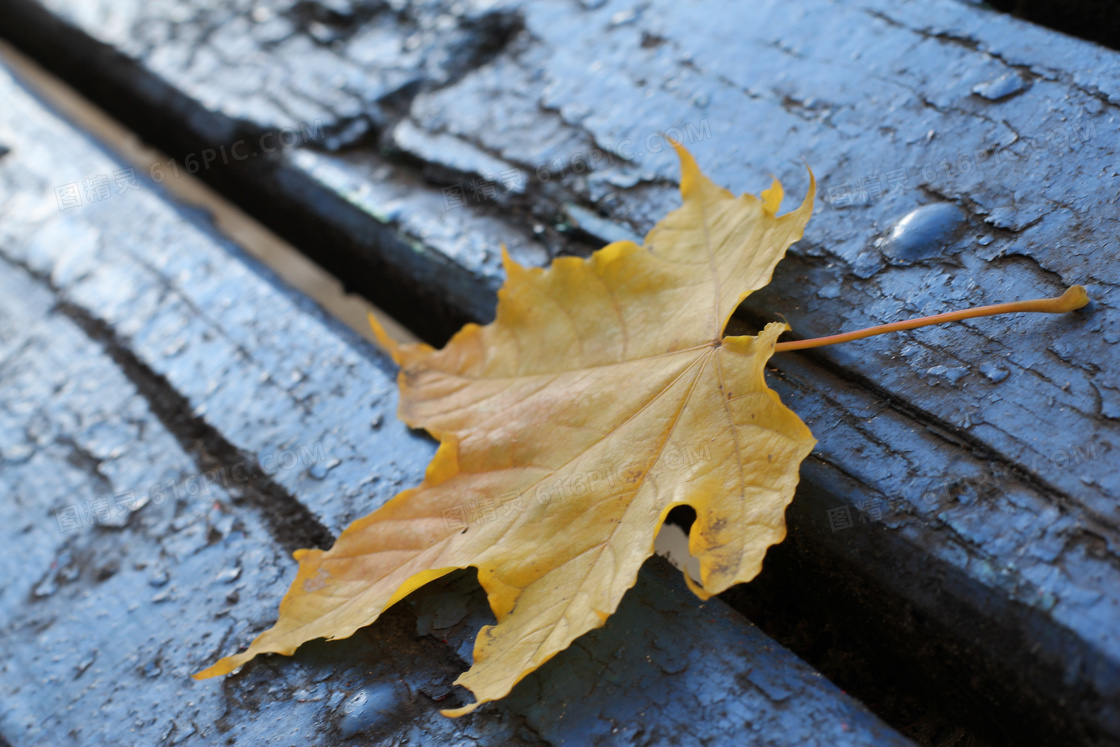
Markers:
point(983, 455)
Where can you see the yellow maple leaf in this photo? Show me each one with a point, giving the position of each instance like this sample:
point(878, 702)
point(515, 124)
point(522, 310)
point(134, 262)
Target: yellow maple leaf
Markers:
point(603, 395)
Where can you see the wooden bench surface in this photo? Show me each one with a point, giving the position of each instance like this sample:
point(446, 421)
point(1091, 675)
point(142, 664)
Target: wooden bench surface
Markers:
point(227, 421)
point(982, 455)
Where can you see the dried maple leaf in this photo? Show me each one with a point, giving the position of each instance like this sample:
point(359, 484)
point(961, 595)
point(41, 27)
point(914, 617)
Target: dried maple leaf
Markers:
point(603, 395)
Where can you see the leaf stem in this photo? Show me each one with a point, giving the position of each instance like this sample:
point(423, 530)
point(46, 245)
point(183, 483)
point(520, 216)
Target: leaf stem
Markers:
point(1071, 300)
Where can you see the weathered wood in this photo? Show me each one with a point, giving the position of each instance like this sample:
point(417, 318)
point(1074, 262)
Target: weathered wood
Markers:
point(142, 353)
point(991, 444)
